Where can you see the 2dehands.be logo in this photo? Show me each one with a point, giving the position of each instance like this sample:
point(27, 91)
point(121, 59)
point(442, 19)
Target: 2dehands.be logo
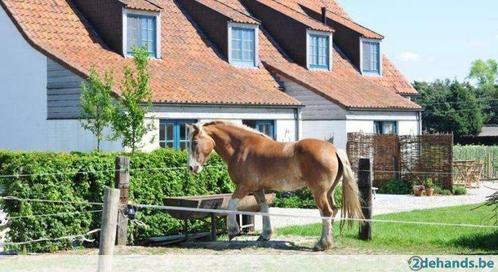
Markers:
point(417, 263)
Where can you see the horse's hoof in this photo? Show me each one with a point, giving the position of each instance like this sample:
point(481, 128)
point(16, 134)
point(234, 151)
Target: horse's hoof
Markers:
point(230, 237)
point(322, 246)
point(262, 238)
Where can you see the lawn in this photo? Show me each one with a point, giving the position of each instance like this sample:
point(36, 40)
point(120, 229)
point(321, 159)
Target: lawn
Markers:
point(417, 239)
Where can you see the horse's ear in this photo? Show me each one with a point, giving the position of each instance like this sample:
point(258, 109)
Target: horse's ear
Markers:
point(193, 127)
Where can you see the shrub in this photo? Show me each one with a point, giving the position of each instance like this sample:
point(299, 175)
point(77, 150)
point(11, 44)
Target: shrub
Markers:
point(303, 199)
point(80, 177)
point(396, 187)
point(459, 190)
point(428, 183)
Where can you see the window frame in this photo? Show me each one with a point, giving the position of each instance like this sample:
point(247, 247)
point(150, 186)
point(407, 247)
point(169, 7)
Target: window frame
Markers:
point(156, 15)
point(259, 122)
point(382, 122)
point(309, 34)
point(371, 73)
point(176, 132)
point(233, 62)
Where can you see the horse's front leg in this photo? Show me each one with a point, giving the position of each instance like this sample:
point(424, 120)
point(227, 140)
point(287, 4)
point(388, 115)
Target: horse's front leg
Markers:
point(233, 226)
point(263, 207)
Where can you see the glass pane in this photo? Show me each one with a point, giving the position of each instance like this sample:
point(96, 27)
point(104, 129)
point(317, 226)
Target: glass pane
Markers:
point(133, 32)
point(169, 132)
point(169, 144)
point(371, 57)
point(162, 144)
point(183, 145)
point(389, 128)
point(162, 132)
point(319, 51)
point(243, 45)
point(183, 132)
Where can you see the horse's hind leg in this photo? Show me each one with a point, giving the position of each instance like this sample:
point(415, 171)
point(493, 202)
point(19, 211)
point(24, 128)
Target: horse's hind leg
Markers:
point(263, 207)
point(322, 201)
point(331, 196)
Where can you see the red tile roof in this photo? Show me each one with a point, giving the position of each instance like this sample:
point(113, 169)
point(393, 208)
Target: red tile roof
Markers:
point(233, 13)
point(141, 5)
point(335, 13)
point(282, 7)
point(392, 79)
point(343, 85)
point(191, 69)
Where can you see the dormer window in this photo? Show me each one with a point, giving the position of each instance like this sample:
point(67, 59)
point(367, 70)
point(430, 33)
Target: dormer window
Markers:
point(319, 50)
point(370, 57)
point(141, 29)
point(243, 45)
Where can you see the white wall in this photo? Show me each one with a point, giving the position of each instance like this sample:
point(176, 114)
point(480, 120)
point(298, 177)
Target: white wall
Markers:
point(325, 130)
point(408, 124)
point(68, 135)
point(285, 124)
point(363, 121)
point(23, 100)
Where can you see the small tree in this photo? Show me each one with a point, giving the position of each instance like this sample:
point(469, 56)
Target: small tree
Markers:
point(96, 104)
point(129, 115)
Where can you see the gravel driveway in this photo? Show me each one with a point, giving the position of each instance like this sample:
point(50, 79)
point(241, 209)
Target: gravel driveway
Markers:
point(384, 204)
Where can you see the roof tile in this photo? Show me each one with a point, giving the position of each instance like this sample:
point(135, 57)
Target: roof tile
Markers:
point(193, 71)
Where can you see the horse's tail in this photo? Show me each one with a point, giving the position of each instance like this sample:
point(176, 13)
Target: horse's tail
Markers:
point(351, 205)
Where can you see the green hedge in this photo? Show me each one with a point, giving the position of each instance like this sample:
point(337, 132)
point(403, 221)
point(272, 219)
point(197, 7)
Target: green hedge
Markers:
point(82, 177)
point(303, 199)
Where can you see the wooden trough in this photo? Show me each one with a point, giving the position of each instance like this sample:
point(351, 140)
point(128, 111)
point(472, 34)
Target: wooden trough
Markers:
point(218, 202)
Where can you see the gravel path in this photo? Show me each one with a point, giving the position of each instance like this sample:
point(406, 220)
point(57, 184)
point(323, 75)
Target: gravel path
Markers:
point(385, 204)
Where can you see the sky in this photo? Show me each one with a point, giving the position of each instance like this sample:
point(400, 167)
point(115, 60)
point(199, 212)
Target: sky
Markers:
point(431, 39)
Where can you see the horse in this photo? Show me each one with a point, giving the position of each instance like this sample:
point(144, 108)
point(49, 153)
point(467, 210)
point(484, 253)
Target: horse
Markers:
point(257, 163)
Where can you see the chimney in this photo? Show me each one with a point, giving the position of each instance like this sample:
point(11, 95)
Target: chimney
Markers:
point(324, 15)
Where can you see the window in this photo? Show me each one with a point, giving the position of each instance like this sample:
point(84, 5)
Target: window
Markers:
point(243, 46)
point(319, 51)
point(264, 126)
point(386, 127)
point(370, 57)
point(174, 133)
point(141, 31)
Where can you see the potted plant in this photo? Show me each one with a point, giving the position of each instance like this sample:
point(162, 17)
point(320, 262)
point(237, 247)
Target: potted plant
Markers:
point(429, 187)
point(418, 188)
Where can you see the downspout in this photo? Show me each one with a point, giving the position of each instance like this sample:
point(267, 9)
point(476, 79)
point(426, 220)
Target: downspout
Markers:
point(297, 117)
point(420, 123)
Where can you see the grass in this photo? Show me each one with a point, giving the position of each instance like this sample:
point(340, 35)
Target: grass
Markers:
point(418, 239)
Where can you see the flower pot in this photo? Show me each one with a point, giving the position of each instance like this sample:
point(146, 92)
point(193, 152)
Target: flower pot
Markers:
point(418, 190)
point(429, 191)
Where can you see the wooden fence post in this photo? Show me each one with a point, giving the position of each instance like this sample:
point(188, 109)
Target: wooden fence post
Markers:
point(365, 186)
point(122, 178)
point(108, 229)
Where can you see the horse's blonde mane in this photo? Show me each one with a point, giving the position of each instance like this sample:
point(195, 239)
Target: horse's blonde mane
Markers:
point(237, 125)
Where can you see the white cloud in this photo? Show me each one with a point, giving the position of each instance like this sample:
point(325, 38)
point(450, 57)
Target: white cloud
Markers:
point(409, 56)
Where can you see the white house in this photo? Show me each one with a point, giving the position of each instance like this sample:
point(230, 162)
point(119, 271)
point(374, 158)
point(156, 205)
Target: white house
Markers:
point(291, 69)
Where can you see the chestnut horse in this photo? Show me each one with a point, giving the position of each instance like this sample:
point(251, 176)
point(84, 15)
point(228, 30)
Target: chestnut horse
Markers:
point(257, 163)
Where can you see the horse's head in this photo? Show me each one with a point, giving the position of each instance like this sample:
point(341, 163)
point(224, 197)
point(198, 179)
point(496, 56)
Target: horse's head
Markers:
point(201, 147)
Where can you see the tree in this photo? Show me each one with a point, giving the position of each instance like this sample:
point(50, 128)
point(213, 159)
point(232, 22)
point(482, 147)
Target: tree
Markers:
point(449, 106)
point(96, 104)
point(129, 115)
point(485, 74)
